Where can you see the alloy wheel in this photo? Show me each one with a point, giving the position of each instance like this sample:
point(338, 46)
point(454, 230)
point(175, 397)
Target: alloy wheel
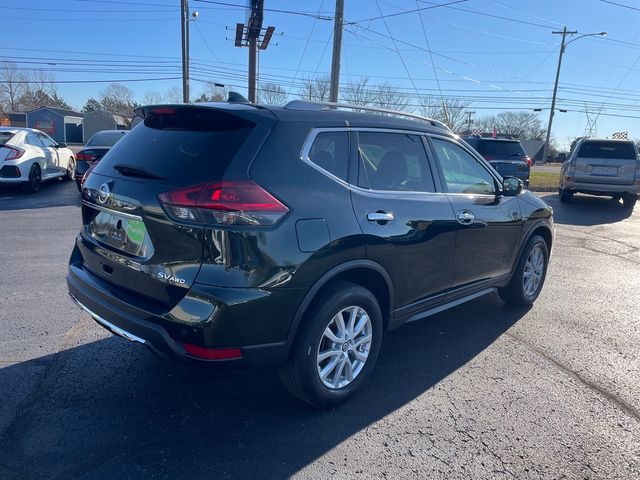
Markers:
point(344, 347)
point(533, 271)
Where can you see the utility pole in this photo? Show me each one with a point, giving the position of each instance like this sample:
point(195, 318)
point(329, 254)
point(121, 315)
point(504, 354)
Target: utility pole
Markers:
point(563, 45)
point(252, 35)
point(184, 17)
point(337, 45)
point(469, 120)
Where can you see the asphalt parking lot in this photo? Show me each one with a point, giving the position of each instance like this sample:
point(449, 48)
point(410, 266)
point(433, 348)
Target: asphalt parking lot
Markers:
point(481, 391)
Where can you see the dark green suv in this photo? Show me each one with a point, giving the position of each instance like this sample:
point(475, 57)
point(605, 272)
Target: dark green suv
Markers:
point(296, 236)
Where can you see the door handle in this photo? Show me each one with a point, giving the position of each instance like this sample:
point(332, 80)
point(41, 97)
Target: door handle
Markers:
point(380, 216)
point(465, 217)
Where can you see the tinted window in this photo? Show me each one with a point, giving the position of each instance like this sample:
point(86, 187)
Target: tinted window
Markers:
point(105, 139)
point(330, 151)
point(499, 148)
point(613, 150)
point(462, 172)
point(46, 140)
point(393, 161)
point(32, 139)
point(188, 147)
point(5, 137)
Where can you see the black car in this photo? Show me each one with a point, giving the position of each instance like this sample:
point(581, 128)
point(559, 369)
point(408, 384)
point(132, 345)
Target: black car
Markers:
point(296, 236)
point(97, 146)
point(505, 155)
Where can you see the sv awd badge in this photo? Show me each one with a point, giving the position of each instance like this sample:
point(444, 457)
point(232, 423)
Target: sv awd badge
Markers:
point(171, 278)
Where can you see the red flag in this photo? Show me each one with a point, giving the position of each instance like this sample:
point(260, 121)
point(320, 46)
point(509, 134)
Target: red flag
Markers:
point(494, 134)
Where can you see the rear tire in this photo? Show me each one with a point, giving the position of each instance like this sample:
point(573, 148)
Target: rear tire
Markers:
point(319, 368)
point(71, 170)
point(35, 178)
point(529, 275)
point(565, 196)
point(629, 201)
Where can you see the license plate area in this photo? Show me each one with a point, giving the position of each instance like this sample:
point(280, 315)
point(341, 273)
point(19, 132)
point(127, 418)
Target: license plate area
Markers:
point(122, 232)
point(600, 170)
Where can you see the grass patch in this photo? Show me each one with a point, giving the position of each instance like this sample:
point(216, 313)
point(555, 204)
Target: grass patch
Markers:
point(544, 179)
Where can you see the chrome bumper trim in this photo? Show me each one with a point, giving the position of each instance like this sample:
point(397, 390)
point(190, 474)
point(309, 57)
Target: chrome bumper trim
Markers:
point(110, 326)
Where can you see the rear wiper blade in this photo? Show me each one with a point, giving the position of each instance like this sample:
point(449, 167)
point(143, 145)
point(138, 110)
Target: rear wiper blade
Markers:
point(132, 171)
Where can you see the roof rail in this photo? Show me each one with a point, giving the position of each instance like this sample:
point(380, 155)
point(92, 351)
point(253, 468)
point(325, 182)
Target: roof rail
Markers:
point(319, 106)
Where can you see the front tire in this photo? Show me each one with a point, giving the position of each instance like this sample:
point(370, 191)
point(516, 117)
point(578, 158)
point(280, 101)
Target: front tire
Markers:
point(529, 275)
point(337, 346)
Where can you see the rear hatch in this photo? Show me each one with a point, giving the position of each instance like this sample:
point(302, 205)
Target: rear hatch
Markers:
point(507, 157)
point(128, 239)
point(610, 162)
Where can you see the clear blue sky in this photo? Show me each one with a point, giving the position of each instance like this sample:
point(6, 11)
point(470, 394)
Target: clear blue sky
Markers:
point(496, 62)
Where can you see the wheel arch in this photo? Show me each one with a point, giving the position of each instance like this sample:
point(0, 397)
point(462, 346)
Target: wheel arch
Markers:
point(542, 228)
point(366, 273)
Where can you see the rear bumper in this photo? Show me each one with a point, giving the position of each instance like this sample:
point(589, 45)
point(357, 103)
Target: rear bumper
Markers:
point(600, 188)
point(164, 333)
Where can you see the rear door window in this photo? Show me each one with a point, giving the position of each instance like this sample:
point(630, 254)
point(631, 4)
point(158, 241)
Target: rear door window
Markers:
point(500, 148)
point(394, 162)
point(330, 151)
point(106, 139)
point(604, 150)
point(188, 146)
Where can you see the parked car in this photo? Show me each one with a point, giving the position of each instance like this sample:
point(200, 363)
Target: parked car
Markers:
point(97, 146)
point(505, 155)
point(602, 167)
point(296, 236)
point(29, 157)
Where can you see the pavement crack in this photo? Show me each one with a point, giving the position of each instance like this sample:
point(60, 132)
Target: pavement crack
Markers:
point(623, 405)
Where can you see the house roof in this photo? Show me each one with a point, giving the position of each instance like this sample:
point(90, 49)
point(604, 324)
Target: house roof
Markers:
point(532, 147)
point(60, 111)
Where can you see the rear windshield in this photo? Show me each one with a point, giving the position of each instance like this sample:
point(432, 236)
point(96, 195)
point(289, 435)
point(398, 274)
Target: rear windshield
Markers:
point(189, 147)
point(499, 148)
point(105, 139)
point(613, 150)
point(5, 137)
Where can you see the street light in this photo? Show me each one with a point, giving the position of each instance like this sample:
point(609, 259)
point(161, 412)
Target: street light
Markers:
point(563, 46)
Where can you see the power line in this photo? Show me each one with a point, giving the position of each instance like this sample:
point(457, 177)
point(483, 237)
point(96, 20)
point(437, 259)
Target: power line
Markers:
point(388, 15)
point(274, 10)
point(306, 45)
point(621, 5)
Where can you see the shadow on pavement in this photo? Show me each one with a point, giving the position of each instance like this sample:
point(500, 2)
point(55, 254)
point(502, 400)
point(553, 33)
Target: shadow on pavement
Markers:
point(53, 193)
point(587, 210)
point(109, 409)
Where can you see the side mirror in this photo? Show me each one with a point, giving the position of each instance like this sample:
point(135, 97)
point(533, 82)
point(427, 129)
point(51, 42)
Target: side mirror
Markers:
point(512, 186)
point(61, 145)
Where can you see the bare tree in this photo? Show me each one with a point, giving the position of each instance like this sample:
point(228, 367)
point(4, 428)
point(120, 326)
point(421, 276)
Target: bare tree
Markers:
point(152, 98)
point(521, 124)
point(451, 111)
point(358, 92)
point(212, 92)
point(12, 86)
point(173, 95)
point(118, 98)
point(315, 88)
point(390, 97)
point(272, 93)
point(91, 105)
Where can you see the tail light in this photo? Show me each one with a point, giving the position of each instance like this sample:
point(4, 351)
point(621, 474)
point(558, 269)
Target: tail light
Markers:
point(571, 168)
point(529, 162)
point(225, 203)
point(488, 157)
point(637, 175)
point(85, 156)
point(206, 353)
point(14, 153)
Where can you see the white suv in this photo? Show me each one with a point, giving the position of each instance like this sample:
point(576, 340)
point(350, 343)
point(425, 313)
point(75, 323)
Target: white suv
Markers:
point(29, 157)
point(602, 167)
